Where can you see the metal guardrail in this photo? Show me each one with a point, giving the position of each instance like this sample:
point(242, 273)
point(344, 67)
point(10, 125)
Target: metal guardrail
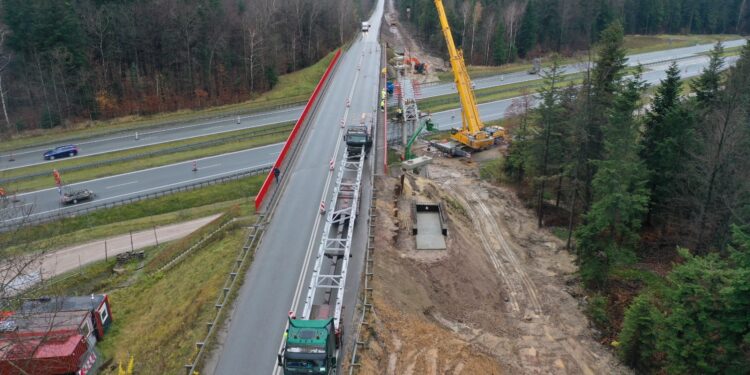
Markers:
point(14, 223)
point(159, 126)
point(366, 305)
point(251, 242)
point(166, 151)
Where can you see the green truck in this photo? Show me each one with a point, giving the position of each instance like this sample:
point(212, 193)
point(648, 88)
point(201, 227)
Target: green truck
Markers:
point(310, 347)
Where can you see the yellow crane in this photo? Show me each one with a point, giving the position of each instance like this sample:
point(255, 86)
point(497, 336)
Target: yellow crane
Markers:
point(473, 132)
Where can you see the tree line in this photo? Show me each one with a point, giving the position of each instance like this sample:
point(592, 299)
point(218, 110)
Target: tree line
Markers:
point(80, 59)
point(499, 31)
point(636, 172)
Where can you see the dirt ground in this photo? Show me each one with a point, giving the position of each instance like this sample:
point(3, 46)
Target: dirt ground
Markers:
point(396, 34)
point(499, 300)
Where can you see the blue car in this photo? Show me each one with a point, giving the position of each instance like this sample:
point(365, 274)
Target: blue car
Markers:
point(61, 152)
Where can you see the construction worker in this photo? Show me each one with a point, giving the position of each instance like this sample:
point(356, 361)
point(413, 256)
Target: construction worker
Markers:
point(382, 105)
point(276, 173)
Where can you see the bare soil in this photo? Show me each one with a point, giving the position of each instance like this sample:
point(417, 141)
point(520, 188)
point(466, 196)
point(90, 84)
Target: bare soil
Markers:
point(499, 300)
point(397, 34)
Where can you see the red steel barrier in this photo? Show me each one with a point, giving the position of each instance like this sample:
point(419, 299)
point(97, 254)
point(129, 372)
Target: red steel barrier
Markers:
point(270, 177)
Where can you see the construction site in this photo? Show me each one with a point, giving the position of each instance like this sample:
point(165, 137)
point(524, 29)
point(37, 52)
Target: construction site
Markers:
point(496, 295)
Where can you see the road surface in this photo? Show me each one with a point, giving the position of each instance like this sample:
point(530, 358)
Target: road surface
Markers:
point(46, 202)
point(118, 187)
point(496, 110)
point(430, 90)
point(58, 262)
point(278, 277)
point(126, 140)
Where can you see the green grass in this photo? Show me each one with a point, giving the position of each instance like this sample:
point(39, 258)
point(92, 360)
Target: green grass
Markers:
point(649, 281)
point(650, 43)
point(635, 44)
point(157, 317)
point(560, 232)
point(492, 170)
point(86, 174)
point(45, 242)
point(177, 248)
point(490, 94)
point(292, 88)
point(241, 189)
point(160, 317)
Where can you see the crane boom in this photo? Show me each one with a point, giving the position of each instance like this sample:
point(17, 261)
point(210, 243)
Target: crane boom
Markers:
point(472, 132)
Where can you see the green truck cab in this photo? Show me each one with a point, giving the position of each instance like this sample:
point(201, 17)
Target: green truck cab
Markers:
point(310, 347)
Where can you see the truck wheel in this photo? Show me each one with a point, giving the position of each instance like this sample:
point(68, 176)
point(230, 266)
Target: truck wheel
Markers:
point(75, 201)
point(52, 157)
point(71, 154)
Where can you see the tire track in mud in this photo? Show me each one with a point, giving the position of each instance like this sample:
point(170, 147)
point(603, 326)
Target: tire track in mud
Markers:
point(514, 289)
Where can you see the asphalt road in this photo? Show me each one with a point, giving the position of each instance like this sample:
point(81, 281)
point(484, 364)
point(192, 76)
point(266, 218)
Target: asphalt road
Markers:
point(46, 202)
point(430, 90)
point(126, 140)
point(118, 142)
point(496, 110)
point(122, 186)
point(277, 280)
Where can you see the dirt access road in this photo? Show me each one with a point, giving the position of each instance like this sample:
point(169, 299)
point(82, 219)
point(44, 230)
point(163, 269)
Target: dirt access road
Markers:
point(59, 261)
point(495, 302)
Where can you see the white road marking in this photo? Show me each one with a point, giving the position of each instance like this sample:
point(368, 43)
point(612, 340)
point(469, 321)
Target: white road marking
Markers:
point(149, 169)
point(149, 189)
point(208, 166)
point(119, 185)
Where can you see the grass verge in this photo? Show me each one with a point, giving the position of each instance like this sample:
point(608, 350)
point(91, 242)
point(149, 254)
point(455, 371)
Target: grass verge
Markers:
point(228, 191)
point(651, 43)
point(86, 174)
point(46, 243)
point(635, 44)
point(292, 88)
point(490, 94)
point(159, 316)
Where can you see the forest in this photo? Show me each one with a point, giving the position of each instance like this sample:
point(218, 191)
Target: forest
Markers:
point(653, 185)
point(62, 61)
point(500, 31)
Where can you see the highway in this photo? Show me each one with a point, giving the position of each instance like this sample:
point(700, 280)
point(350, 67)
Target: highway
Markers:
point(277, 279)
point(496, 110)
point(126, 140)
point(431, 90)
point(46, 202)
point(114, 188)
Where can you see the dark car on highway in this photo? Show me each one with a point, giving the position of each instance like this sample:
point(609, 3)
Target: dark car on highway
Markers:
point(61, 152)
point(73, 197)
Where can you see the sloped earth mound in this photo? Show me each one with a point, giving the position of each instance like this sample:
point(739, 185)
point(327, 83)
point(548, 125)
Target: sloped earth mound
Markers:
point(499, 300)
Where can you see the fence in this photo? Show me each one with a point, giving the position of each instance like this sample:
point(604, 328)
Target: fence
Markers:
point(290, 141)
point(252, 240)
point(166, 151)
point(221, 118)
point(13, 223)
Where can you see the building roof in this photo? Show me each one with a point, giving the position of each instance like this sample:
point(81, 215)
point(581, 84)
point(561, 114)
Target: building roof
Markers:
point(58, 304)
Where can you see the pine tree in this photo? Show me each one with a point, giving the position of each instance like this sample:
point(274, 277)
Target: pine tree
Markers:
point(665, 139)
point(549, 115)
point(707, 329)
point(500, 46)
point(600, 89)
point(527, 37)
point(610, 232)
point(707, 86)
point(639, 337)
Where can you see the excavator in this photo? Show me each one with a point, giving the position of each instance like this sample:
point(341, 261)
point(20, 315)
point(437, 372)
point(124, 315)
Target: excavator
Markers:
point(473, 133)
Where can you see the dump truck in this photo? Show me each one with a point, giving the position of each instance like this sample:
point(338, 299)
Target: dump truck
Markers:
point(365, 26)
